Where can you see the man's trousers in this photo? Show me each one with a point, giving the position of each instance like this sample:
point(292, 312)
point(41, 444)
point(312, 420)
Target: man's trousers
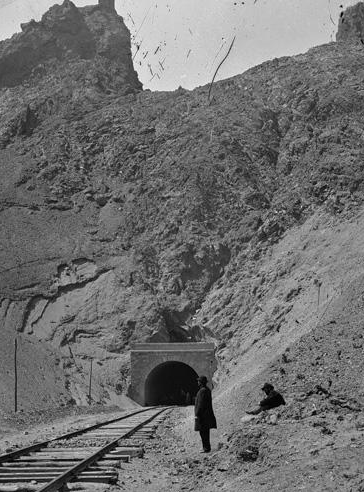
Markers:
point(205, 438)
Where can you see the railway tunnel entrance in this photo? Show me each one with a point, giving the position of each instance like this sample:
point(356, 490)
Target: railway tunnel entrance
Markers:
point(171, 383)
point(166, 373)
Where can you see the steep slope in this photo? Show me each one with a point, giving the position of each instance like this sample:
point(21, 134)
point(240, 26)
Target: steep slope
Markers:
point(128, 215)
point(72, 57)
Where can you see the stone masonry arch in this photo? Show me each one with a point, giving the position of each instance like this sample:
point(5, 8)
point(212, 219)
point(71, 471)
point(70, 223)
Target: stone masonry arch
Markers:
point(168, 362)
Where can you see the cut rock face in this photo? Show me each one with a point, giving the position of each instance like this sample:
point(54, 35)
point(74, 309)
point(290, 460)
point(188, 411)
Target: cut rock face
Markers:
point(351, 24)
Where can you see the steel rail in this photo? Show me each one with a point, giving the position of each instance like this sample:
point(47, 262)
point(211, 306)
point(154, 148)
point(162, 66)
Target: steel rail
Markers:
point(35, 447)
point(72, 473)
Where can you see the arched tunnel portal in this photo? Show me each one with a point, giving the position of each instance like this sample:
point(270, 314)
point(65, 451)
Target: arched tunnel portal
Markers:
point(171, 383)
point(166, 373)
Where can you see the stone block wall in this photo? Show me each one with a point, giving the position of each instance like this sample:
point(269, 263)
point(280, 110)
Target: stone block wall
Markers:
point(146, 357)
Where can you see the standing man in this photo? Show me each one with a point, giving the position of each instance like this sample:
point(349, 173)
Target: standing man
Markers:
point(204, 414)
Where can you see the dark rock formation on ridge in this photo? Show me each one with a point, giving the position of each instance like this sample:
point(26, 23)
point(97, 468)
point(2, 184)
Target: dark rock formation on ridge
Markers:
point(66, 34)
point(351, 25)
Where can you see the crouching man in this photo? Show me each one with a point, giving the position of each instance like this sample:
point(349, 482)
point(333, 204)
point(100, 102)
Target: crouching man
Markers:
point(204, 414)
point(273, 400)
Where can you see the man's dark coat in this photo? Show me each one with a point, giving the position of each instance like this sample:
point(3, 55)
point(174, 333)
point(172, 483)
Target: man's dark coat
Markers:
point(203, 410)
point(273, 400)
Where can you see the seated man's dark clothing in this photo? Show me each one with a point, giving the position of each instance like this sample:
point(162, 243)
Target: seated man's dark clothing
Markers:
point(273, 400)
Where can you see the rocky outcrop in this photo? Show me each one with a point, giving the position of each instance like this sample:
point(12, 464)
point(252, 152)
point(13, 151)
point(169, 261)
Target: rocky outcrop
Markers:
point(107, 5)
point(67, 33)
point(351, 25)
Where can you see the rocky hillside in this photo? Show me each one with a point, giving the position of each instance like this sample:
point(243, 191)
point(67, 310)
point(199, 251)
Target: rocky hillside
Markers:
point(130, 215)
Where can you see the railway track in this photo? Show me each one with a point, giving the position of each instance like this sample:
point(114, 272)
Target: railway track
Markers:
point(92, 454)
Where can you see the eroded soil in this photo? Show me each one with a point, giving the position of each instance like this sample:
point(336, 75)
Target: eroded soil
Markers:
point(269, 453)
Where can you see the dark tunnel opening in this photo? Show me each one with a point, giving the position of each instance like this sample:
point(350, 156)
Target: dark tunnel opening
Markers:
point(171, 383)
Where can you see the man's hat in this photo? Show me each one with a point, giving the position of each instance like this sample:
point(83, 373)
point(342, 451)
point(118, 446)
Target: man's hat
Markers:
point(202, 379)
point(267, 386)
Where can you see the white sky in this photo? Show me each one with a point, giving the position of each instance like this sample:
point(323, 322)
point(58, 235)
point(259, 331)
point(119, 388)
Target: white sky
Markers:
point(190, 37)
